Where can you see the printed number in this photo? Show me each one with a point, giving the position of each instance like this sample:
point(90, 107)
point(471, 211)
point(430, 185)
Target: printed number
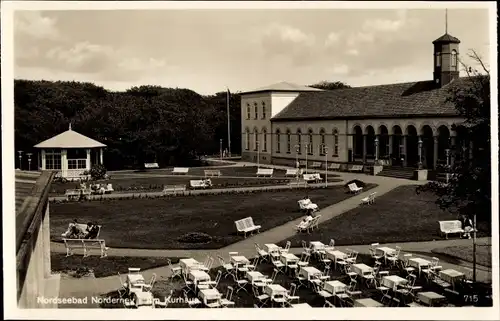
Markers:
point(471, 298)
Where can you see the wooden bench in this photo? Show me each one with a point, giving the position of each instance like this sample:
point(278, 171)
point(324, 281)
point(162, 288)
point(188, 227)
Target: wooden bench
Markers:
point(306, 204)
point(316, 177)
point(355, 168)
point(265, 172)
point(450, 227)
point(334, 166)
point(180, 170)
point(292, 172)
point(310, 226)
point(299, 183)
point(353, 188)
point(73, 194)
point(246, 225)
point(173, 189)
point(302, 163)
point(316, 165)
point(200, 183)
point(86, 245)
point(212, 173)
point(151, 165)
point(370, 199)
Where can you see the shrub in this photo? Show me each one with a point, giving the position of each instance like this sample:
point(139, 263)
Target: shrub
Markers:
point(97, 171)
point(195, 237)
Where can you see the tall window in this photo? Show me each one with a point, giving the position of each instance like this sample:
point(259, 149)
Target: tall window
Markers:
point(248, 111)
point(310, 145)
point(438, 59)
point(278, 141)
point(263, 110)
point(256, 138)
point(335, 142)
point(453, 58)
point(264, 140)
point(322, 145)
point(256, 110)
point(77, 158)
point(247, 137)
point(52, 159)
point(299, 141)
point(288, 141)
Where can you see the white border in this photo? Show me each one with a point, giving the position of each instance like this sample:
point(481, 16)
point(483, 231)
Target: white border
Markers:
point(10, 304)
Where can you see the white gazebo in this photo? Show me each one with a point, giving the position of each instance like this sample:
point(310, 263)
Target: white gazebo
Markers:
point(70, 153)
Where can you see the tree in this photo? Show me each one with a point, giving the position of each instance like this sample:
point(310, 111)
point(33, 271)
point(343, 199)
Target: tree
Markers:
point(325, 85)
point(468, 191)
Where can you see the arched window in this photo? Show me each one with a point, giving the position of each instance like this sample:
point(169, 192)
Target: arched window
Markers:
point(453, 58)
point(310, 143)
point(299, 141)
point(248, 111)
point(335, 142)
point(263, 110)
point(438, 59)
point(288, 141)
point(247, 138)
point(256, 107)
point(322, 143)
point(264, 139)
point(278, 141)
point(256, 139)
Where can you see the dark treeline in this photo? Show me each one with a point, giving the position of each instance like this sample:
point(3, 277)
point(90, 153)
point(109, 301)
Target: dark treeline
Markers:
point(142, 124)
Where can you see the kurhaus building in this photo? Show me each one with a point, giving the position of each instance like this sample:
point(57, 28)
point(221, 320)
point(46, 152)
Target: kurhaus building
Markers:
point(395, 124)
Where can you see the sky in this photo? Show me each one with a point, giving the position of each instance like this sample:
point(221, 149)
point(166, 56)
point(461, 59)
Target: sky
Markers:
point(209, 50)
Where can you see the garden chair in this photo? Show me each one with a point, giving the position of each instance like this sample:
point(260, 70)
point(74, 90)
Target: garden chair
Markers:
point(227, 267)
point(375, 256)
point(323, 259)
point(176, 270)
point(287, 247)
point(207, 265)
point(434, 266)
point(192, 302)
point(304, 259)
point(350, 273)
point(213, 283)
point(240, 284)
point(290, 296)
point(253, 264)
point(278, 265)
point(273, 277)
point(262, 298)
point(305, 246)
point(148, 287)
point(408, 290)
point(318, 289)
point(353, 256)
point(226, 301)
point(384, 291)
point(406, 263)
point(299, 279)
point(188, 284)
point(393, 258)
point(261, 253)
point(122, 290)
point(351, 289)
point(326, 273)
point(330, 246)
point(163, 303)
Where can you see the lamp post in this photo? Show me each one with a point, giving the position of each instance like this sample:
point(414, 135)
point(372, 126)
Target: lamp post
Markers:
point(20, 158)
point(220, 149)
point(29, 160)
point(376, 150)
point(258, 154)
point(307, 151)
point(297, 165)
point(326, 165)
point(420, 150)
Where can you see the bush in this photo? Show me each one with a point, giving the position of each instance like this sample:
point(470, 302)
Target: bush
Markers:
point(195, 237)
point(97, 171)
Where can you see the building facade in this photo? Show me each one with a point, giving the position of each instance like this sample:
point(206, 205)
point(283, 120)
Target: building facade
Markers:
point(407, 124)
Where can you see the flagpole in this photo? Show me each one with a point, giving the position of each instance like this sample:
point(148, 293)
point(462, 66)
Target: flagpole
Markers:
point(228, 126)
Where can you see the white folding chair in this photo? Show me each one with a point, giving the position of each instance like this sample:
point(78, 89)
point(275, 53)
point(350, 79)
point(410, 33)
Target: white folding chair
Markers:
point(192, 302)
point(262, 298)
point(148, 287)
point(176, 270)
point(261, 253)
point(240, 284)
point(290, 296)
point(226, 301)
point(287, 247)
point(227, 267)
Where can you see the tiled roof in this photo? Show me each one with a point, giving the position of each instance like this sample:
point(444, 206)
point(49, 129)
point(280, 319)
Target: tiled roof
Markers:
point(394, 100)
point(446, 38)
point(70, 139)
point(283, 86)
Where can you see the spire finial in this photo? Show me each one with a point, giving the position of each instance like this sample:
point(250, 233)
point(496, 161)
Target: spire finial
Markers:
point(446, 21)
point(70, 126)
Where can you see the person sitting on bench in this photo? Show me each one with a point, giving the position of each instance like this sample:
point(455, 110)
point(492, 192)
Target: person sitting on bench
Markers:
point(466, 226)
point(74, 231)
point(305, 222)
point(92, 231)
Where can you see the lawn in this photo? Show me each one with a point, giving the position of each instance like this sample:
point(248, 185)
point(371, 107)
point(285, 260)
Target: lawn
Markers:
point(106, 266)
point(398, 216)
point(154, 180)
point(159, 223)
point(483, 253)
point(244, 299)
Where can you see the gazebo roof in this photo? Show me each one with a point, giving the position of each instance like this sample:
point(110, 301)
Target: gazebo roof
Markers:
point(70, 139)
